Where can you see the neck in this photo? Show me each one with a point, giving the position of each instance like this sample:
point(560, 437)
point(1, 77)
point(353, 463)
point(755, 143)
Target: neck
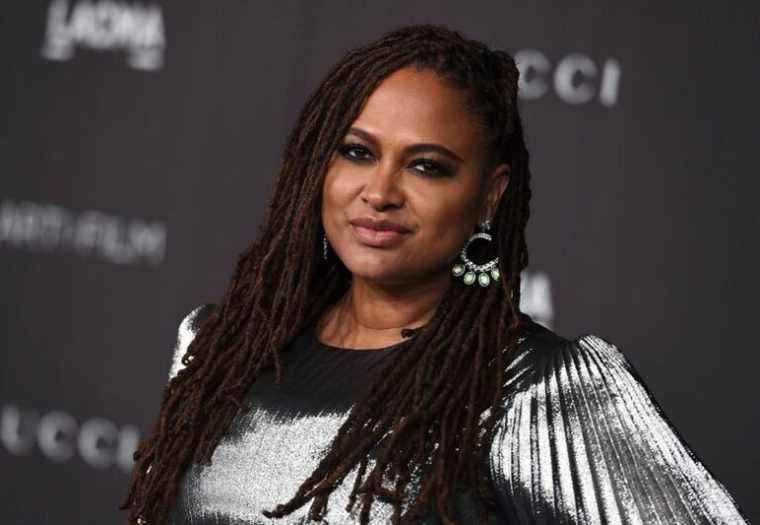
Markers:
point(372, 315)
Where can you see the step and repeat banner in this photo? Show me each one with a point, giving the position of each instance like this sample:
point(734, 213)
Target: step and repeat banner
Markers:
point(138, 145)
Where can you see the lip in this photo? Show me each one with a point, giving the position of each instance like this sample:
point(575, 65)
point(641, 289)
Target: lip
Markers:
point(379, 224)
point(378, 233)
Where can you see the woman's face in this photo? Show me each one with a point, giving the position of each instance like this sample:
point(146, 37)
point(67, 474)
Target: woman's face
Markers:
point(414, 157)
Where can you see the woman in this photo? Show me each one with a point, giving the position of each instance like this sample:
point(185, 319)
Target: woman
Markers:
point(369, 362)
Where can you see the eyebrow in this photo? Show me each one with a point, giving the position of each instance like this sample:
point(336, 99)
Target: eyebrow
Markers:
point(414, 148)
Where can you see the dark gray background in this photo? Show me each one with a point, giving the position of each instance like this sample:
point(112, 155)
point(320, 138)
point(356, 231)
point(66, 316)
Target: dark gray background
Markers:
point(644, 212)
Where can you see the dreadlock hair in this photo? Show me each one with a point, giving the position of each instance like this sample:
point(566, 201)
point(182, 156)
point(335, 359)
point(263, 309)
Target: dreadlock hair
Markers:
point(434, 410)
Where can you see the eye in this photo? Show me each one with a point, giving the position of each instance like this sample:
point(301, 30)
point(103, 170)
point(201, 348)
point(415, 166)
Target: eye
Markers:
point(354, 152)
point(432, 168)
point(360, 154)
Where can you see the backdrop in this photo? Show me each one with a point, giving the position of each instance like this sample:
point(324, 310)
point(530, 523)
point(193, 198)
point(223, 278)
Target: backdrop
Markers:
point(138, 146)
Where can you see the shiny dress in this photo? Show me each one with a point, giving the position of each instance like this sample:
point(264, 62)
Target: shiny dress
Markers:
point(582, 441)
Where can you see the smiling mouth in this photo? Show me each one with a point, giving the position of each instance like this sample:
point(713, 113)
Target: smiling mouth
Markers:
point(377, 238)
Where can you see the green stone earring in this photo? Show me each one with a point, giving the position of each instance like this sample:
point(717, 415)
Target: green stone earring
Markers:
point(471, 272)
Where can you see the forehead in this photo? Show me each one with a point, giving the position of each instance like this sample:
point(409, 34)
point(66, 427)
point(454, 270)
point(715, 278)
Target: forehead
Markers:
point(419, 106)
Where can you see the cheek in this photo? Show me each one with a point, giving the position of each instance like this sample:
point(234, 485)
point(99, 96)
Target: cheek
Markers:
point(338, 191)
point(446, 220)
point(448, 211)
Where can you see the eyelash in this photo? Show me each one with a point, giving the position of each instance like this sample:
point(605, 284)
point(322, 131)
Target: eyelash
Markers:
point(435, 169)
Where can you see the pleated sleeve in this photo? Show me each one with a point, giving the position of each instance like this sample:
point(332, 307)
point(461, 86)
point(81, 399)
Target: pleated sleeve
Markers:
point(188, 328)
point(583, 441)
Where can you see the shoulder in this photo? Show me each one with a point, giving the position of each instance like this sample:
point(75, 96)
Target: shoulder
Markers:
point(188, 328)
point(535, 344)
point(543, 354)
point(581, 424)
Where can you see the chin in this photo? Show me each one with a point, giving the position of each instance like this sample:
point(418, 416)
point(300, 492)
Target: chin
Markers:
point(376, 268)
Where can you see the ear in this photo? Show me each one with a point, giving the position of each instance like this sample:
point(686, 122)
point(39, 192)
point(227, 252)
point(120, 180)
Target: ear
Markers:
point(496, 182)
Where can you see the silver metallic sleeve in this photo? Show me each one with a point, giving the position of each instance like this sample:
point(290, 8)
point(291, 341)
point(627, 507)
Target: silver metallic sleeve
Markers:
point(188, 327)
point(584, 441)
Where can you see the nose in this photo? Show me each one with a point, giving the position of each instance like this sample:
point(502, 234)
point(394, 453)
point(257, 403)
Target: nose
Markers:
point(383, 189)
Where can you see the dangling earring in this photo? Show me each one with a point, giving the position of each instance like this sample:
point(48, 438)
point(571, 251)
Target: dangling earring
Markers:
point(483, 273)
point(324, 247)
